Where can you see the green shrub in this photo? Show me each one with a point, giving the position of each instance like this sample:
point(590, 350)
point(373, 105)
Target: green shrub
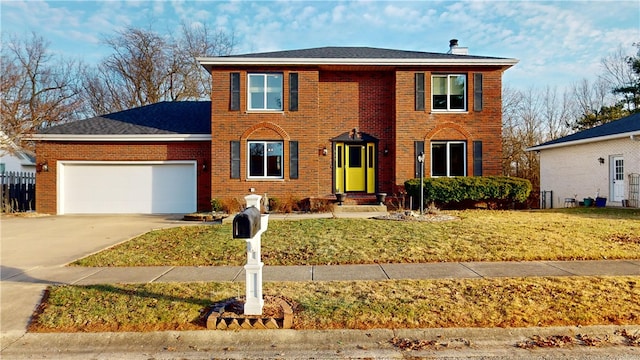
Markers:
point(495, 191)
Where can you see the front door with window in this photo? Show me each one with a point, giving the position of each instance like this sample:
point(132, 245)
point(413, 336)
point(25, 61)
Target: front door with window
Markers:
point(354, 166)
point(617, 178)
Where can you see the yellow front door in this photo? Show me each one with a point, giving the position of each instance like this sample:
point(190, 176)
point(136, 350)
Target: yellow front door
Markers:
point(355, 170)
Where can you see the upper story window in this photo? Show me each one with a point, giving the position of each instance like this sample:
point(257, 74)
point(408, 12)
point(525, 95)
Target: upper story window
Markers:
point(265, 92)
point(449, 92)
point(265, 159)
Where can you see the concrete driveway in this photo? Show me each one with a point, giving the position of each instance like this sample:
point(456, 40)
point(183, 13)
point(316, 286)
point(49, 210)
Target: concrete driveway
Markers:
point(54, 241)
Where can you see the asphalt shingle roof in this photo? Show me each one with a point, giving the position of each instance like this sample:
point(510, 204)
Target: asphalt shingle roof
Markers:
point(178, 117)
point(625, 125)
point(336, 52)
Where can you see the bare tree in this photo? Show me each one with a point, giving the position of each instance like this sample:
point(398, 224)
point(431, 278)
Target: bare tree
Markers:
point(193, 81)
point(622, 74)
point(594, 104)
point(557, 112)
point(147, 68)
point(529, 118)
point(37, 89)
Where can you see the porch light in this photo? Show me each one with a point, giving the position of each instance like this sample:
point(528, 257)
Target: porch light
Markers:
point(324, 151)
point(386, 151)
point(43, 166)
point(601, 160)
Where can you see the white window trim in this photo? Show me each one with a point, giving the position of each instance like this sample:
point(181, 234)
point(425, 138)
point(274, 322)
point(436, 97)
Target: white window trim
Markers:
point(264, 142)
point(448, 109)
point(448, 161)
point(265, 109)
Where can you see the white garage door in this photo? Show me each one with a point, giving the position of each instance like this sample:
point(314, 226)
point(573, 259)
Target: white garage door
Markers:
point(126, 187)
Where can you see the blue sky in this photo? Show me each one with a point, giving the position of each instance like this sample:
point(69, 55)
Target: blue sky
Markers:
point(558, 43)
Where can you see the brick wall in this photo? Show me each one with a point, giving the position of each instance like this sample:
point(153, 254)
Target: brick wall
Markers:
point(428, 125)
point(52, 152)
point(380, 103)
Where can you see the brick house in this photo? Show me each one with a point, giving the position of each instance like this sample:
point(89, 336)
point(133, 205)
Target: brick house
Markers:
point(309, 123)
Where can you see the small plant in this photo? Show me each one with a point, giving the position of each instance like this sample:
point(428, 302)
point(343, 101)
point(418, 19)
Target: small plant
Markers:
point(432, 209)
point(320, 205)
point(217, 205)
point(287, 205)
point(231, 205)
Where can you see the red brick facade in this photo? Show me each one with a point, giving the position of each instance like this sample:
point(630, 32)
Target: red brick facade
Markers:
point(342, 105)
point(54, 151)
point(332, 101)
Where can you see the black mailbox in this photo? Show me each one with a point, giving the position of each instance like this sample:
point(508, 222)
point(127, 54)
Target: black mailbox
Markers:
point(247, 223)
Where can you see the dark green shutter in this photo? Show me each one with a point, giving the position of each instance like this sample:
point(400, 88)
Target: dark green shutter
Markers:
point(477, 158)
point(419, 91)
point(293, 92)
point(234, 99)
point(419, 148)
point(293, 160)
point(235, 159)
point(477, 92)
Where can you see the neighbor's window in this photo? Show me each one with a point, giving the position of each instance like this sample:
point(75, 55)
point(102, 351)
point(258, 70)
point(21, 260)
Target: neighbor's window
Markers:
point(265, 92)
point(265, 159)
point(449, 92)
point(448, 158)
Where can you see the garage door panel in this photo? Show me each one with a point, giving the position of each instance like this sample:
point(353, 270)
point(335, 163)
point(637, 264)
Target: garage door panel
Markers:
point(177, 179)
point(139, 188)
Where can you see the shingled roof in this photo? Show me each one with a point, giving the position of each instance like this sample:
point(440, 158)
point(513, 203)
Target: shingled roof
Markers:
point(626, 126)
point(337, 52)
point(178, 117)
point(334, 55)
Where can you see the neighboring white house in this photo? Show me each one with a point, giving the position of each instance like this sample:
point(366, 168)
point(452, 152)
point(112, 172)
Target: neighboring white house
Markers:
point(603, 161)
point(13, 158)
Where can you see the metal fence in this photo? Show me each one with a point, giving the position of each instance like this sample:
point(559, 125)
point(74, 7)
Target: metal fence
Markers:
point(634, 190)
point(17, 191)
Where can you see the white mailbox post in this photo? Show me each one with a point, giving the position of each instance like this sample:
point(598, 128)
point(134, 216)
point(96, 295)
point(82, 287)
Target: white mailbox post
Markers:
point(249, 225)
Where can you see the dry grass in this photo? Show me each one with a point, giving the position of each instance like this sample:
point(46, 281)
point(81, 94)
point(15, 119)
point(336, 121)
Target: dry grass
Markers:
point(479, 235)
point(517, 302)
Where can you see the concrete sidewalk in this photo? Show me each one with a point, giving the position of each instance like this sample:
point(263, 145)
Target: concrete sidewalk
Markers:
point(459, 270)
point(35, 251)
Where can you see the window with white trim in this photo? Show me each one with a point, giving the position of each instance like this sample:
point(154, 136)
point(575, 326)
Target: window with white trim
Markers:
point(265, 92)
point(449, 92)
point(448, 158)
point(266, 159)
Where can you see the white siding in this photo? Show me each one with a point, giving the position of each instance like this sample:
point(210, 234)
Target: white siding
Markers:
point(16, 162)
point(575, 171)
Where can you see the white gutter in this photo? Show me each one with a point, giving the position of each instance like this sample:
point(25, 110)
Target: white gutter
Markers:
point(222, 61)
point(632, 135)
point(109, 137)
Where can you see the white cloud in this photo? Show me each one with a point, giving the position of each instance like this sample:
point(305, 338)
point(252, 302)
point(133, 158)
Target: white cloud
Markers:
point(556, 41)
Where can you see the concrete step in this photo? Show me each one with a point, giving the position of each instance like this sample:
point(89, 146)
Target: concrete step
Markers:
point(358, 208)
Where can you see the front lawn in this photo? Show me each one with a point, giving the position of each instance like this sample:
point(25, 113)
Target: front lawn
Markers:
point(514, 302)
point(478, 235)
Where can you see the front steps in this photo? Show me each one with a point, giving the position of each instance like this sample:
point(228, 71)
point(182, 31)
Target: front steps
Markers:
point(355, 202)
point(349, 208)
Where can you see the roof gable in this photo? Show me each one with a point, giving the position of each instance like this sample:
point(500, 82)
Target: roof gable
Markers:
point(178, 117)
